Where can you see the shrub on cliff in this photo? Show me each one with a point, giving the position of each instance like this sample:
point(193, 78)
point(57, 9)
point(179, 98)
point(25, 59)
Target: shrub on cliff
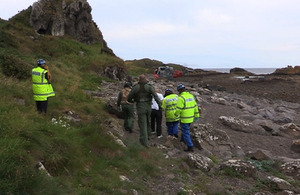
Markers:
point(13, 66)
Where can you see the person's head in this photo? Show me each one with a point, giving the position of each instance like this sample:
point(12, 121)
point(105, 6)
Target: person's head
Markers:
point(143, 78)
point(128, 85)
point(180, 88)
point(41, 62)
point(168, 92)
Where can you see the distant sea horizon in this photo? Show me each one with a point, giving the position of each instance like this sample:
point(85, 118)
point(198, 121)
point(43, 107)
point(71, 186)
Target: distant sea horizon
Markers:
point(252, 70)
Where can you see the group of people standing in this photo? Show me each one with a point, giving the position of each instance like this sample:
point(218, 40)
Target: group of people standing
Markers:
point(179, 109)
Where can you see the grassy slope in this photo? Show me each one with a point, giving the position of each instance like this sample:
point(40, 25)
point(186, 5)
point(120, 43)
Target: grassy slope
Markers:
point(82, 158)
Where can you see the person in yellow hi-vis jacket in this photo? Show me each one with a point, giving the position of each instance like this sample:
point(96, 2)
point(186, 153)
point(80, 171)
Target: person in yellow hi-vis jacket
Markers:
point(41, 86)
point(169, 105)
point(188, 111)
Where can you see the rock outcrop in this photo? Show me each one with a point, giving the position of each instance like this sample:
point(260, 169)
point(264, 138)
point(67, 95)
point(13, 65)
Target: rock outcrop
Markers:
point(289, 70)
point(60, 17)
point(240, 71)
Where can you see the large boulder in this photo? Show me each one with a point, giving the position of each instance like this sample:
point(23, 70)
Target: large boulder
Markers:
point(59, 18)
point(245, 168)
point(242, 125)
point(207, 138)
point(201, 162)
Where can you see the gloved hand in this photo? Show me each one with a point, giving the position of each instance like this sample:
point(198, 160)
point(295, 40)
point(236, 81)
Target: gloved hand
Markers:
point(197, 120)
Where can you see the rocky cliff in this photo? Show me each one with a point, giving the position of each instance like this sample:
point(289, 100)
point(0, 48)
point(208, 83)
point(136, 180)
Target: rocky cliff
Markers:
point(289, 70)
point(67, 17)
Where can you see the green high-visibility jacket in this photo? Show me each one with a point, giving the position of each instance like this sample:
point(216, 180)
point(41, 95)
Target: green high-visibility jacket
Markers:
point(187, 107)
point(169, 105)
point(42, 88)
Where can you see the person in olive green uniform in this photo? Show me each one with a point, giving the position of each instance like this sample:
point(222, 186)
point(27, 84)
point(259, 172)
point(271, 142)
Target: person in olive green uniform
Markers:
point(41, 86)
point(142, 94)
point(127, 107)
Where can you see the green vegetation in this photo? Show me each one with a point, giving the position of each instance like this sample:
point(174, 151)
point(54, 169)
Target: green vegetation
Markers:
point(80, 157)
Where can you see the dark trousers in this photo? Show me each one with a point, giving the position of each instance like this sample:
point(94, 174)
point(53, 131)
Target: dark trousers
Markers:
point(156, 118)
point(42, 106)
point(128, 111)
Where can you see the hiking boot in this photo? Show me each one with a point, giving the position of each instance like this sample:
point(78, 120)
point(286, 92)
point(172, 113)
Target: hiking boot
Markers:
point(160, 136)
point(189, 149)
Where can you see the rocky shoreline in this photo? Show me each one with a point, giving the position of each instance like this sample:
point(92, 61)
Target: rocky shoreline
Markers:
point(241, 123)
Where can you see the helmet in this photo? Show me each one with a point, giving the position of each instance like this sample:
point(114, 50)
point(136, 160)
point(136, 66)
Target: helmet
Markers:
point(41, 62)
point(180, 86)
point(168, 92)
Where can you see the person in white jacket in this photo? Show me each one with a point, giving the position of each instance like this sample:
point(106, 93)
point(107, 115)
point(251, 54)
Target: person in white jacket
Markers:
point(156, 115)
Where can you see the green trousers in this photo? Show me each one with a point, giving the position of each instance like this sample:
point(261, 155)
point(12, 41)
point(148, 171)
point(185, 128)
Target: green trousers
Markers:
point(144, 116)
point(129, 116)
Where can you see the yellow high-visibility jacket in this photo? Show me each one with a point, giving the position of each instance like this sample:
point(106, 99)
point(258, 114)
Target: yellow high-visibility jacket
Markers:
point(42, 88)
point(169, 105)
point(187, 108)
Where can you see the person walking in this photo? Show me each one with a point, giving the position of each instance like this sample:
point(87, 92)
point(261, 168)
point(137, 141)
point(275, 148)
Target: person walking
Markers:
point(126, 107)
point(188, 111)
point(156, 115)
point(41, 86)
point(142, 94)
point(169, 105)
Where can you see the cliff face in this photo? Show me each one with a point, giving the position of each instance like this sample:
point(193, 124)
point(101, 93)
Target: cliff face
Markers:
point(62, 17)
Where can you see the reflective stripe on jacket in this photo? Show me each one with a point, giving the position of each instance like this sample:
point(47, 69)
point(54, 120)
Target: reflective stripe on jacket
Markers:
point(187, 108)
point(41, 87)
point(169, 105)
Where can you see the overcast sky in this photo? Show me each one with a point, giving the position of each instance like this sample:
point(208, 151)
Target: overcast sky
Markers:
point(197, 33)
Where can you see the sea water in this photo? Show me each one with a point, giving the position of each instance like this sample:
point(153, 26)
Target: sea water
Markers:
point(252, 70)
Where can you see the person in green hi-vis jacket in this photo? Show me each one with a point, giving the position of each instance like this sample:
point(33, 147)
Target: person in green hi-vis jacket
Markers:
point(142, 94)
